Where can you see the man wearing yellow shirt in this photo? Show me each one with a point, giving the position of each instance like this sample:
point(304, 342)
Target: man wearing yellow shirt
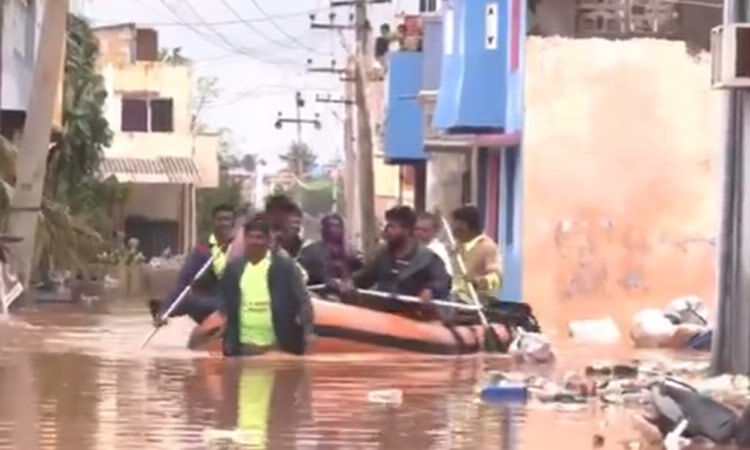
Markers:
point(480, 253)
point(264, 298)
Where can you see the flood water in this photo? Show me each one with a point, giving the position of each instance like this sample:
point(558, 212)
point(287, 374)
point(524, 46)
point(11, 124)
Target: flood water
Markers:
point(72, 378)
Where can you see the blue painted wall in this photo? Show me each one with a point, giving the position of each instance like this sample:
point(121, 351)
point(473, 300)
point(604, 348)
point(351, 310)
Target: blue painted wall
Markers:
point(403, 123)
point(481, 51)
point(482, 91)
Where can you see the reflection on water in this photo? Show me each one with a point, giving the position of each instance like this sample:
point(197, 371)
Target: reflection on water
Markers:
point(74, 380)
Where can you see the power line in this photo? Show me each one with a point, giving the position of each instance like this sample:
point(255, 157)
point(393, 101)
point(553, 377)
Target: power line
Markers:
point(255, 30)
point(281, 30)
point(223, 42)
point(263, 90)
point(238, 21)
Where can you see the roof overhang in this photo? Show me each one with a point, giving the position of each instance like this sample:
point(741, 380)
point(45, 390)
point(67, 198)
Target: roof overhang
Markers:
point(160, 170)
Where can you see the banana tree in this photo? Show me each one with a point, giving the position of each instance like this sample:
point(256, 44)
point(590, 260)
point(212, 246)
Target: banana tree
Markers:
point(66, 239)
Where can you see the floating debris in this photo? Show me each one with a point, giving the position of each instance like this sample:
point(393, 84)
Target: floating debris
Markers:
point(390, 397)
point(596, 331)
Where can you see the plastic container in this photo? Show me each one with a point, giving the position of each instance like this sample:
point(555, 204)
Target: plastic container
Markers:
point(505, 391)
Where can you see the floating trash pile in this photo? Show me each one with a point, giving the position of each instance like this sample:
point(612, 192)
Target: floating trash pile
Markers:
point(672, 404)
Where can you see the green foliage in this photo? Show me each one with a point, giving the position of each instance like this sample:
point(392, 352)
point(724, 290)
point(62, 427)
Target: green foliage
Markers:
point(206, 90)
point(228, 191)
point(65, 239)
point(249, 162)
point(7, 175)
point(299, 159)
point(85, 130)
point(318, 198)
point(77, 207)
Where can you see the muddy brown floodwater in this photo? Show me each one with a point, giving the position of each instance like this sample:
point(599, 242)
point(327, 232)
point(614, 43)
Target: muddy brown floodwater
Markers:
point(72, 378)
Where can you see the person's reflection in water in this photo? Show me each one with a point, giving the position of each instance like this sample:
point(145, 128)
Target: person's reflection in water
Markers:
point(265, 404)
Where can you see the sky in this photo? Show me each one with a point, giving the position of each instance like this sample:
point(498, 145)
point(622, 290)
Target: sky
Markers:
point(258, 51)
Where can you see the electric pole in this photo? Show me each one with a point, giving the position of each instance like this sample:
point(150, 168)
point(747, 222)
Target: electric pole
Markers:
point(299, 103)
point(366, 175)
point(32, 159)
point(359, 173)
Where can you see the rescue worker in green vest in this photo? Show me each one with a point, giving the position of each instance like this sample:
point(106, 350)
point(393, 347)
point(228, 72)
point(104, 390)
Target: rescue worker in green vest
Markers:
point(264, 298)
point(202, 299)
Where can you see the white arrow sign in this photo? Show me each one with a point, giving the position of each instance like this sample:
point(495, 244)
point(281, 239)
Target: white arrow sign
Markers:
point(490, 26)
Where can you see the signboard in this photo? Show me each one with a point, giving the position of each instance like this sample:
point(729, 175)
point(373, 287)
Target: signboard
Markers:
point(448, 30)
point(490, 26)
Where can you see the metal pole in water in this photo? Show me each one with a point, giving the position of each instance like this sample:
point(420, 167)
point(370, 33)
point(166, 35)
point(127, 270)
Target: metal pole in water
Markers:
point(731, 344)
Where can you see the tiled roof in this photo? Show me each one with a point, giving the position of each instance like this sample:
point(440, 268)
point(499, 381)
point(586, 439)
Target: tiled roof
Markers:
point(168, 170)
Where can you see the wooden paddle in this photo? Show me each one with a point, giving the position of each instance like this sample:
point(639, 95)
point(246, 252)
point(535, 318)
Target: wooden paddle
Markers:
point(177, 302)
point(492, 342)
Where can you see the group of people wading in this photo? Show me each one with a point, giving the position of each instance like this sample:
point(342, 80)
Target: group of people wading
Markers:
point(259, 277)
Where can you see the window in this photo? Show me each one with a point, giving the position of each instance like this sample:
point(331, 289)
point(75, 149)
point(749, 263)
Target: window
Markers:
point(23, 14)
point(146, 45)
point(161, 115)
point(134, 115)
point(144, 115)
point(429, 5)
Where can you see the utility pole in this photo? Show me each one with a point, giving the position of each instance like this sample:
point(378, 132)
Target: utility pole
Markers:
point(731, 343)
point(32, 159)
point(359, 174)
point(298, 121)
point(351, 162)
point(366, 175)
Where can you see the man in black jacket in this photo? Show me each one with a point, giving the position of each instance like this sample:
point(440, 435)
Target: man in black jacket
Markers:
point(264, 299)
point(330, 258)
point(201, 301)
point(404, 266)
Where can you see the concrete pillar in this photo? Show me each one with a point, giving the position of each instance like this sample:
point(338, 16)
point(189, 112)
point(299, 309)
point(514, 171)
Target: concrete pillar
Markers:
point(445, 170)
point(731, 344)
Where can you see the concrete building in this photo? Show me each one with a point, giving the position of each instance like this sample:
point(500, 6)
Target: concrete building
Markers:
point(154, 148)
point(21, 26)
point(689, 21)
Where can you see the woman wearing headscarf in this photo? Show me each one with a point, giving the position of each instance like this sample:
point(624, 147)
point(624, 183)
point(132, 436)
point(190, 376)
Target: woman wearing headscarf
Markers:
point(329, 258)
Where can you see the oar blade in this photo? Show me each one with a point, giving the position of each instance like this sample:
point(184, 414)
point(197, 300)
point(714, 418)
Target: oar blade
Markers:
point(492, 342)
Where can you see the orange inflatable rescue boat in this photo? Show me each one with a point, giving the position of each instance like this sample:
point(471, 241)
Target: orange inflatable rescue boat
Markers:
point(376, 325)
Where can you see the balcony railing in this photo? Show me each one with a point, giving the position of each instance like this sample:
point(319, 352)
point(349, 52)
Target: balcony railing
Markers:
point(657, 18)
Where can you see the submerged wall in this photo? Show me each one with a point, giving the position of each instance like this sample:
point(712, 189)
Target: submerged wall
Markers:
point(622, 187)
